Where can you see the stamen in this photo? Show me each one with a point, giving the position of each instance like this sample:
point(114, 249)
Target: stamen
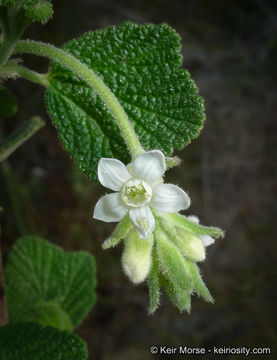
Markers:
point(136, 193)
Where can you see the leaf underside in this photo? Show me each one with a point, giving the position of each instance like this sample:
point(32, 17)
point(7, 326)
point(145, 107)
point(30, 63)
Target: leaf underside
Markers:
point(31, 341)
point(141, 66)
point(46, 285)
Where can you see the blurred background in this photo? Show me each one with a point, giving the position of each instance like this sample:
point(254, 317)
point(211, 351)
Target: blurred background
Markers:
point(230, 49)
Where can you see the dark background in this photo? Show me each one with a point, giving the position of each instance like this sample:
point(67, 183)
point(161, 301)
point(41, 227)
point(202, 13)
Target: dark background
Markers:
point(230, 49)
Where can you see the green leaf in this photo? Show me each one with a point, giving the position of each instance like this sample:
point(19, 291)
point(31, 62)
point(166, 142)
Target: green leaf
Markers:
point(8, 103)
point(46, 285)
point(34, 10)
point(153, 284)
point(172, 262)
point(179, 297)
point(31, 341)
point(39, 10)
point(141, 66)
point(197, 281)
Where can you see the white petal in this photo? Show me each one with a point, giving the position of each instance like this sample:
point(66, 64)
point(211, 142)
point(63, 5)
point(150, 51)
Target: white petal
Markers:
point(193, 218)
point(143, 221)
point(149, 166)
point(207, 240)
point(112, 173)
point(110, 208)
point(169, 198)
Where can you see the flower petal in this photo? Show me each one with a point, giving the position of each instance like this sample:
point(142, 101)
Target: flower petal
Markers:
point(143, 221)
point(169, 198)
point(110, 208)
point(112, 173)
point(207, 239)
point(149, 166)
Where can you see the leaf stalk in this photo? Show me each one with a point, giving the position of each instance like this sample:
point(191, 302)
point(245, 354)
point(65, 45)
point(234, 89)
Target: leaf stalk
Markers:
point(89, 76)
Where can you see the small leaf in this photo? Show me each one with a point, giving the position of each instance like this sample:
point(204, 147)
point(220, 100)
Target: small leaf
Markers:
point(153, 284)
point(197, 281)
point(179, 297)
point(39, 10)
point(44, 284)
point(121, 230)
point(185, 223)
point(31, 341)
point(172, 262)
point(141, 66)
point(34, 10)
point(8, 103)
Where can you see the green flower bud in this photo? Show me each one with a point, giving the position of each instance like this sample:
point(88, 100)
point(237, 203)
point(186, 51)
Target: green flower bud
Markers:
point(136, 257)
point(190, 245)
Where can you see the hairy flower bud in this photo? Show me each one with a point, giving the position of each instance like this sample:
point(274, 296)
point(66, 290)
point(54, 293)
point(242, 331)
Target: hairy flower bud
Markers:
point(190, 245)
point(136, 257)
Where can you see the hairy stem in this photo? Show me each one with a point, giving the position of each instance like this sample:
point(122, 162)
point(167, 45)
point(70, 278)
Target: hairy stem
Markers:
point(6, 51)
point(13, 69)
point(81, 70)
point(19, 136)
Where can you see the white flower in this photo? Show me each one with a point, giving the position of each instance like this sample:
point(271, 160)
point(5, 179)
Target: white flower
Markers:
point(138, 188)
point(207, 240)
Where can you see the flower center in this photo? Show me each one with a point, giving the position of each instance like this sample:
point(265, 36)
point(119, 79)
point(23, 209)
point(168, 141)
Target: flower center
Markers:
point(136, 193)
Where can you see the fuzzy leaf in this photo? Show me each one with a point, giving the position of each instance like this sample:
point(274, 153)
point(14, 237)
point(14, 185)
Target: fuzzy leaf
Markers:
point(8, 103)
point(34, 10)
point(31, 341)
point(141, 66)
point(197, 281)
point(46, 285)
point(39, 10)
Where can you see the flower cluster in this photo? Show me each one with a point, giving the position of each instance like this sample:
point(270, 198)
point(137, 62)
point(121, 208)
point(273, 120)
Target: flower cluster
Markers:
point(159, 243)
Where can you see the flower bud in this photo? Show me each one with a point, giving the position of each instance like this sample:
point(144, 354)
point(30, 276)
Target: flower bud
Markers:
point(190, 245)
point(136, 257)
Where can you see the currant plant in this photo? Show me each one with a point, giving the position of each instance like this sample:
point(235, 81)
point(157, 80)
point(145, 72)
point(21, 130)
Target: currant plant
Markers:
point(121, 105)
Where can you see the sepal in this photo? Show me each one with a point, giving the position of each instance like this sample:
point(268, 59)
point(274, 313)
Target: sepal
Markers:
point(179, 297)
point(172, 262)
point(198, 284)
point(153, 283)
point(121, 230)
point(185, 223)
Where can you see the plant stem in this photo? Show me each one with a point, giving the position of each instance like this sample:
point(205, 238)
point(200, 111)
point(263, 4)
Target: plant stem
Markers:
point(19, 136)
point(6, 51)
point(89, 76)
point(13, 69)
